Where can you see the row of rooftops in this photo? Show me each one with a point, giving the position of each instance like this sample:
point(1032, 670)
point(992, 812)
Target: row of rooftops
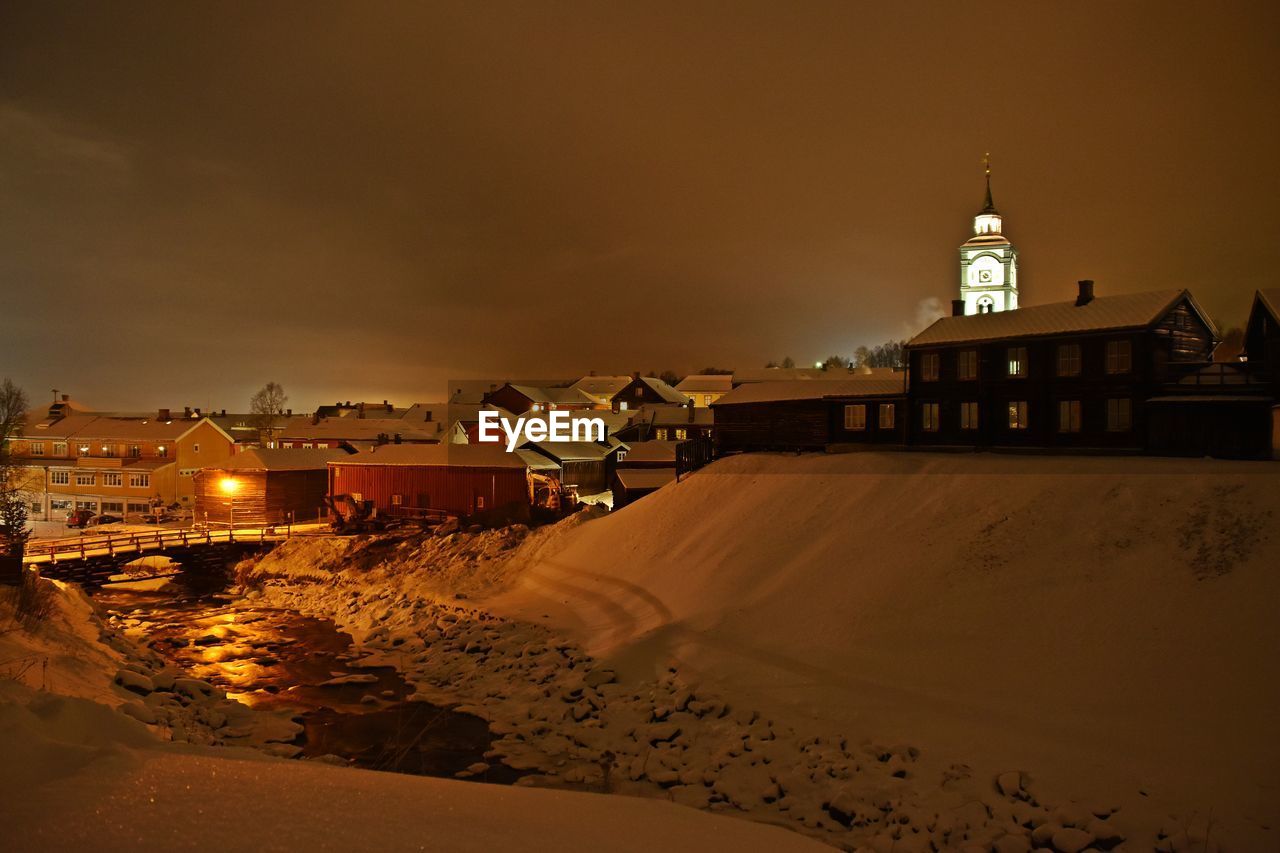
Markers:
point(425, 423)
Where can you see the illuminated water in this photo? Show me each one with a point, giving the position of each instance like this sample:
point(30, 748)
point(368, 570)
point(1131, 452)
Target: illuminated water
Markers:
point(280, 659)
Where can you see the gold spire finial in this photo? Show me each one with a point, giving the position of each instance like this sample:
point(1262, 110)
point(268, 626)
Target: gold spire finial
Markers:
point(986, 161)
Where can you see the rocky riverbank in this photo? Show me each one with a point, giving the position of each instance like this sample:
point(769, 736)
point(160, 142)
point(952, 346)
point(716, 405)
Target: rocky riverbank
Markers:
point(568, 719)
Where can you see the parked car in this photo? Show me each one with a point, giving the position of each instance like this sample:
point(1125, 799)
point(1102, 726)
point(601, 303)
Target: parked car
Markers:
point(105, 518)
point(79, 518)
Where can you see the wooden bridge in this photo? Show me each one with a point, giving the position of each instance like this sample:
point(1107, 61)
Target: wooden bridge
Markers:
point(94, 560)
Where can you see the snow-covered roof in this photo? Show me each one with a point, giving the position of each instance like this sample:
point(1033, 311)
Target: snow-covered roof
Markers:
point(703, 382)
point(461, 455)
point(680, 416)
point(1270, 298)
point(283, 459)
point(603, 386)
point(564, 451)
point(1122, 311)
point(779, 374)
point(645, 478)
point(809, 389)
point(652, 451)
point(662, 389)
point(359, 429)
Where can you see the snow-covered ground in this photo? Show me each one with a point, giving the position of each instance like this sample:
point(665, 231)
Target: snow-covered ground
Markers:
point(1105, 626)
point(81, 771)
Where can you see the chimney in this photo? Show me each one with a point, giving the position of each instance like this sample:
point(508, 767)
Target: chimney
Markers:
point(162, 415)
point(224, 413)
point(397, 438)
point(1086, 292)
point(957, 307)
point(360, 409)
point(289, 412)
point(197, 412)
point(635, 375)
point(186, 411)
point(388, 406)
point(66, 398)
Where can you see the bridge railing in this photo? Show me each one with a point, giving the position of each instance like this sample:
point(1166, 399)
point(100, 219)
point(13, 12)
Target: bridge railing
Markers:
point(150, 540)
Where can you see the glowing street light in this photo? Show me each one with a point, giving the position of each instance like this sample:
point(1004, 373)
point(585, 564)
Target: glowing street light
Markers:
point(229, 487)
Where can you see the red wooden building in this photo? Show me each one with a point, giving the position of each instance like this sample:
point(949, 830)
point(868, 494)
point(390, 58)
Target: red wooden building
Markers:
point(465, 480)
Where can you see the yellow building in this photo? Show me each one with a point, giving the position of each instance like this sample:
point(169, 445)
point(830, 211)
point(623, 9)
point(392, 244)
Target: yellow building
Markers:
point(123, 466)
point(705, 389)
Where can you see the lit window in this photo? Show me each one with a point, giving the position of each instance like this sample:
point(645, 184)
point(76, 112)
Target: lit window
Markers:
point(83, 450)
point(660, 434)
point(855, 417)
point(108, 450)
point(1018, 361)
point(397, 500)
point(135, 450)
point(887, 411)
point(162, 451)
point(1068, 359)
point(59, 448)
point(929, 367)
point(1018, 414)
point(1068, 416)
point(682, 434)
point(1119, 357)
point(306, 445)
point(1119, 415)
point(37, 448)
point(968, 416)
point(929, 417)
point(967, 367)
point(479, 502)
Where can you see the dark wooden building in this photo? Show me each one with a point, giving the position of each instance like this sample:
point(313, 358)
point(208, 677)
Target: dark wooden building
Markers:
point(810, 414)
point(464, 480)
point(646, 391)
point(1262, 337)
point(264, 486)
point(648, 454)
point(519, 399)
point(631, 484)
point(1067, 375)
point(588, 465)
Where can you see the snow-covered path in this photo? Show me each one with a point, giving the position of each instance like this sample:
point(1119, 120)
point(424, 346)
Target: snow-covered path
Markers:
point(1104, 624)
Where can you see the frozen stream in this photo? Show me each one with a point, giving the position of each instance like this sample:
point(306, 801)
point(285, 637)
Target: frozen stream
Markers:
point(279, 659)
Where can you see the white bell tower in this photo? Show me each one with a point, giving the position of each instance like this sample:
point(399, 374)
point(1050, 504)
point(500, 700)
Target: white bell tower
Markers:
point(988, 263)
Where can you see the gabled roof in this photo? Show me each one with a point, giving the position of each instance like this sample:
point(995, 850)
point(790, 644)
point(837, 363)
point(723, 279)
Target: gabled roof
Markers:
point(651, 451)
point(602, 386)
point(572, 451)
point(87, 427)
point(662, 389)
point(808, 389)
point(1103, 313)
point(778, 374)
point(679, 416)
point(1269, 298)
point(436, 455)
point(704, 382)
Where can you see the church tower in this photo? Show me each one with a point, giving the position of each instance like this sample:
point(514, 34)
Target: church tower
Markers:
point(988, 263)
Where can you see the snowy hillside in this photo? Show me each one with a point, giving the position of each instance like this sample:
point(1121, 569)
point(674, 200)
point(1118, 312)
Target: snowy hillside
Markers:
point(1106, 626)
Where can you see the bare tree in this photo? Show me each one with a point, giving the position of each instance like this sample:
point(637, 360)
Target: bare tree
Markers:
point(265, 406)
point(13, 498)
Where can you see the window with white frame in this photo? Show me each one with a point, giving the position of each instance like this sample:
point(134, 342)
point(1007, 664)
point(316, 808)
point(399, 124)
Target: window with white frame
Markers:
point(887, 413)
point(1017, 362)
point(1119, 356)
point(85, 478)
point(37, 448)
point(1018, 414)
point(59, 478)
point(112, 478)
point(1068, 416)
point(1119, 414)
point(139, 481)
point(929, 363)
point(1068, 359)
point(59, 448)
point(83, 450)
point(855, 417)
point(967, 364)
point(969, 415)
point(929, 417)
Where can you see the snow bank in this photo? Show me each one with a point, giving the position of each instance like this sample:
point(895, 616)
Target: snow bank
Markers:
point(1101, 628)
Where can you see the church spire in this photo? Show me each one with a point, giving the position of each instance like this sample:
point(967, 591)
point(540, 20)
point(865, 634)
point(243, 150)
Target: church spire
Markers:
point(990, 206)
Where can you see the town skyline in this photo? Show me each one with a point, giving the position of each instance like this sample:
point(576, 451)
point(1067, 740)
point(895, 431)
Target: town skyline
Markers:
point(378, 202)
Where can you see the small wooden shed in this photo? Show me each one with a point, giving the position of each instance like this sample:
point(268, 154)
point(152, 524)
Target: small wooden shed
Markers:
point(265, 486)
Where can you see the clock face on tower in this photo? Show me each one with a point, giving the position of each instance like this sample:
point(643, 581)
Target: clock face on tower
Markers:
point(984, 276)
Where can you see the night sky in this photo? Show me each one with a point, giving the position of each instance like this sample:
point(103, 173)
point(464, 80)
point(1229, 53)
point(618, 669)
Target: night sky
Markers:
point(363, 200)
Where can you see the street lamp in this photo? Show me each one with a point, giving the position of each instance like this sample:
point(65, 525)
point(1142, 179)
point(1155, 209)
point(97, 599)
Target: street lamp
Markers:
point(229, 487)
